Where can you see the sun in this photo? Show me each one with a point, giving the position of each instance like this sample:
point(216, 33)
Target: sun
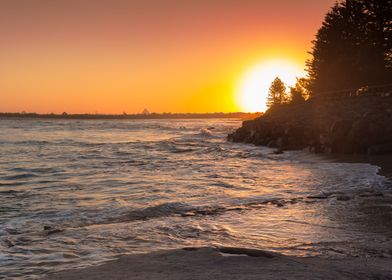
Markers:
point(252, 89)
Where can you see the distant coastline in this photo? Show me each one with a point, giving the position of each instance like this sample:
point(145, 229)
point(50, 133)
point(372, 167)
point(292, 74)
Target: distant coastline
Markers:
point(238, 115)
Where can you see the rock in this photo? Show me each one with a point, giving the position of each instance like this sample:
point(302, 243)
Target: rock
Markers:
point(12, 231)
point(188, 214)
point(51, 230)
point(190, 248)
point(318, 196)
point(278, 152)
point(280, 142)
point(340, 129)
point(23, 240)
point(8, 242)
point(279, 204)
point(295, 135)
point(373, 129)
point(370, 194)
point(343, 197)
point(295, 200)
point(70, 256)
point(358, 134)
point(323, 139)
point(272, 144)
point(338, 137)
point(249, 252)
point(355, 125)
point(381, 149)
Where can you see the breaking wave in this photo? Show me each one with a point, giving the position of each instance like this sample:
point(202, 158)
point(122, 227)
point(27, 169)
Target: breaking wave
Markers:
point(76, 193)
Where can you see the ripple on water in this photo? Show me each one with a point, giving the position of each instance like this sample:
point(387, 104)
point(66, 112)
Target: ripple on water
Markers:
point(76, 193)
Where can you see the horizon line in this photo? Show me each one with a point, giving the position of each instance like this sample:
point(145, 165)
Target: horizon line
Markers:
point(242, 115)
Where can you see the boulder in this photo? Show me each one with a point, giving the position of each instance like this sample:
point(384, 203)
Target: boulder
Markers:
point(355, 125)
point(381, 149)
point(338, 137)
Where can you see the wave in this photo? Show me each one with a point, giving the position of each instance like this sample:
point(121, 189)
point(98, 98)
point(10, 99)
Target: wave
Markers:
point(11, 184)
point(19, 176)
point(175, 147)
point(186, 210)
point(205, 132)
point(26, 142)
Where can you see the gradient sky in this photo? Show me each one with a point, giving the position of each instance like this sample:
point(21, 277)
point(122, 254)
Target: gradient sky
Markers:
point(113, 56)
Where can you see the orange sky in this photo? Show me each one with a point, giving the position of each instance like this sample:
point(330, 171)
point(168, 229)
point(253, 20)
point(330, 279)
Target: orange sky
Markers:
point(114, 56)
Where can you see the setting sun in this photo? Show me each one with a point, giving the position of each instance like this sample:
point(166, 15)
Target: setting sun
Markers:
point(252, 89)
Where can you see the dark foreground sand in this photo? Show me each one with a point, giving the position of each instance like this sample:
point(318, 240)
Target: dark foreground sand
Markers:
point(210, 263)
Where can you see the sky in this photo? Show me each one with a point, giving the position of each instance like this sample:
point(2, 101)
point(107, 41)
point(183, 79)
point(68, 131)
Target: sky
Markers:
point(115, 56)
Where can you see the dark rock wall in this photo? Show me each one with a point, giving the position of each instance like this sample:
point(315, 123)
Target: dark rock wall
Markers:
point(355, 125)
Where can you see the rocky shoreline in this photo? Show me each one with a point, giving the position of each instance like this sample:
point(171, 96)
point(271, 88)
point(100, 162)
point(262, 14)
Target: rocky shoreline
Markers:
point(361, 125)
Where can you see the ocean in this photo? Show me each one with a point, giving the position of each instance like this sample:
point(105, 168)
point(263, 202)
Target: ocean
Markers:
point(75, 193)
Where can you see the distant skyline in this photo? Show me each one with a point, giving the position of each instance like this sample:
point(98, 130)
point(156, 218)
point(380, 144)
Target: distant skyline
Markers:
point(111, 56)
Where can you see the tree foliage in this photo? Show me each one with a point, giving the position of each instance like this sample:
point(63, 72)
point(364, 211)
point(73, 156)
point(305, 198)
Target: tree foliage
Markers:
point(297, 93)
point(303, 84)
point(277, 93)
point(353, 48)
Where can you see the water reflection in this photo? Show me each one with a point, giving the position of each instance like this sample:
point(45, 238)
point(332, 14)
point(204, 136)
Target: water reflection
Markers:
point(75, 193)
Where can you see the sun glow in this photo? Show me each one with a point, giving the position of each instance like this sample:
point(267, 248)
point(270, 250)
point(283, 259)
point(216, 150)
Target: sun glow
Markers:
point(252, 89)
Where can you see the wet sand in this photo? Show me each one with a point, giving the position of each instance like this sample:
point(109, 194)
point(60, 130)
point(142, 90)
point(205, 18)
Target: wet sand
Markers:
point(382, 161)
point(210, 263)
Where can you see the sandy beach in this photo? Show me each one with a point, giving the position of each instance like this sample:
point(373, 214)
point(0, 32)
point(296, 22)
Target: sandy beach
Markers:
point(235, 263)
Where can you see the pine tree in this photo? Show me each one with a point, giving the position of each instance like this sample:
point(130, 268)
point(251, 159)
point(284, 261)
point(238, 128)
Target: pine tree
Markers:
point(353, 48)
point(277, 93)
point(303, 84)
point(297, 93)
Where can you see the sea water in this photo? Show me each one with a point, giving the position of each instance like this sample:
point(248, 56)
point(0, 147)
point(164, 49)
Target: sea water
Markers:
point(75, 193)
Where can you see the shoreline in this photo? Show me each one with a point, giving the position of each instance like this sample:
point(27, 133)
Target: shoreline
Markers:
point(229, 263)
point(384, 162)
point(240, 263)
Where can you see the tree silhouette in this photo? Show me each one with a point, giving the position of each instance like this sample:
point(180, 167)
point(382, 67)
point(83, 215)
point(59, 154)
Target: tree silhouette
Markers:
point(277, 93)
point(303, 84)
point(353, 48)
point(297, 93)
